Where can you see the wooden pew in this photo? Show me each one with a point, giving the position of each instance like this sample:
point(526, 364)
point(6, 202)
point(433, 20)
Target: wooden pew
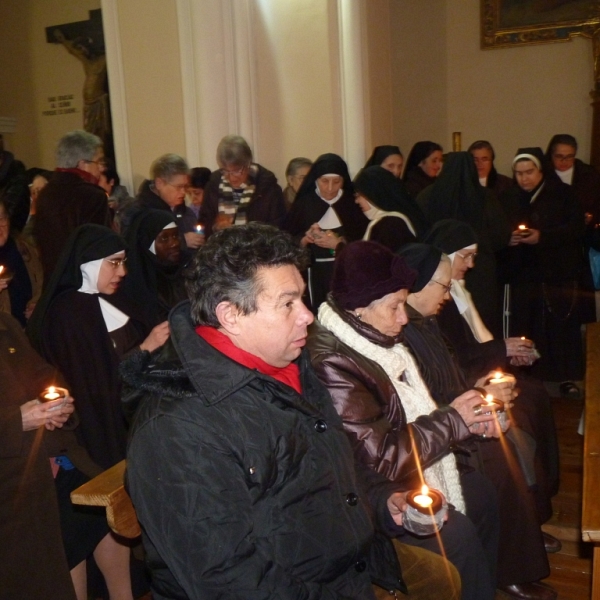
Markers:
point(108, 489)
point(590, 517)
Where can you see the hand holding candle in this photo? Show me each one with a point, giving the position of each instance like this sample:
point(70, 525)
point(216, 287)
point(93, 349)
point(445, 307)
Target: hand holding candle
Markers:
point(5, 277)
point(53, 411)
point(426, 511)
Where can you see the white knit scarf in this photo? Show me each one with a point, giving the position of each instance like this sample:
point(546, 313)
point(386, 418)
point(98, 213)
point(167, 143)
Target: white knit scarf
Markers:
point(416, 400)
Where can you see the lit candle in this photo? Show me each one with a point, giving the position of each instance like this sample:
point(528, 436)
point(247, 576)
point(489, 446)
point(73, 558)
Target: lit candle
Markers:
point(523, 229)
point(52, 393)
point(200, 228)
point(5, 273)
point(424, 499)
point(500, 377)
point(425, 512)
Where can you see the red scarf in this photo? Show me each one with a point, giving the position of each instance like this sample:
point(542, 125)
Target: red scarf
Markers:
point(83, 174)
point(289, 375)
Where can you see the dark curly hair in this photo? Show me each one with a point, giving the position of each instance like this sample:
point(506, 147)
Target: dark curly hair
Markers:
point(225, 268)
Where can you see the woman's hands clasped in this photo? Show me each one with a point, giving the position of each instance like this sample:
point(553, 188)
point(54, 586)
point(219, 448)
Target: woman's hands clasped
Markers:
point(52, 414)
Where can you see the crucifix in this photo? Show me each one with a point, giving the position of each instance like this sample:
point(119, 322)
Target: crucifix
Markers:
point(85, 41)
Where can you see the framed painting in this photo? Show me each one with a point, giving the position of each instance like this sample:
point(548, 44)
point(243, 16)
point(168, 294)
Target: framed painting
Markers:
point(517, 22)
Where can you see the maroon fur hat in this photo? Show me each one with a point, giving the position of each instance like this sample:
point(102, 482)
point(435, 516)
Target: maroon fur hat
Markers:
point(367, 271)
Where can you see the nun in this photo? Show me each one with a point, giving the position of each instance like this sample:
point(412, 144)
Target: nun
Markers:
point(388, 157)
point(82, 327)
point(324, 216)
point(542, 267)
point(457, 194)
point(155, 263)
point(395, 218)
point(522, 560)
point(422, 167)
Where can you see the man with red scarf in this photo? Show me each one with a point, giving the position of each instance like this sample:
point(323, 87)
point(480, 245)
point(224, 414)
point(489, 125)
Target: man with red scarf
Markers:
point(72, 198)
point(241, 475)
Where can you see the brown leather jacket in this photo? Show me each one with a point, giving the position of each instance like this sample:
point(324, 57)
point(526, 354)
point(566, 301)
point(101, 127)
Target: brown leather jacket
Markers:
point(372, 411)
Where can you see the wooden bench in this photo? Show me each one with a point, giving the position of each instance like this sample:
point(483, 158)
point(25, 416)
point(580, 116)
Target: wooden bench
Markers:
point(108, 489)
point(590, 517)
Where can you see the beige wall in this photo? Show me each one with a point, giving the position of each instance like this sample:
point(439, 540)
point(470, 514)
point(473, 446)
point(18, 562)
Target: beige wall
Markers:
point(378, 74)
point(33, 70)
point(443, 82)
point(151, 67)
point(296, 82)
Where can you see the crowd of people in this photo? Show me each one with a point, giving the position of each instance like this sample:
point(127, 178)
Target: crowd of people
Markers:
point(282, 368)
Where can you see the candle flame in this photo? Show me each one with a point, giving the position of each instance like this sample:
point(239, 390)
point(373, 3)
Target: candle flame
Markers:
point(52, 389)
point(425, 490)
point(523, 338)
point(521, 227)
point(1, 268)
point(489, 398)
point(497, 374)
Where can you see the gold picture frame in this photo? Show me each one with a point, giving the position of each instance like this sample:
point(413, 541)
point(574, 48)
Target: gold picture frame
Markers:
point(506, 23)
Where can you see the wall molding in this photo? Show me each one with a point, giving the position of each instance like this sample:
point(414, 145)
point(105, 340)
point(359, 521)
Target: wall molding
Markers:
point(118, 99)
point(352, 100)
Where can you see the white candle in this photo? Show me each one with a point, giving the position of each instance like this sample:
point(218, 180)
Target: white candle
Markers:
point(199, 228)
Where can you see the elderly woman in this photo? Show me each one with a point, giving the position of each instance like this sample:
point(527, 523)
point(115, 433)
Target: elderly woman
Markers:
point(388, 157)
point(478, 352)
point(295, 173)
point(522, 560)
point(542, 267)
point(457, 194)
point(154, 262)
point(422, 167)
point(393, 423)
point(395, 218)
point(71, 198)
point(18, 259)
point(323, 216)
point(84, 291)
point(240, 191)
point(165, 190)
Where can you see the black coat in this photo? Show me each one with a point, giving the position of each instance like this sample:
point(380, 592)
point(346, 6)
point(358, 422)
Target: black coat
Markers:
point(558, 256)
point(244, 488)
point(267, 204)
point(63, 205)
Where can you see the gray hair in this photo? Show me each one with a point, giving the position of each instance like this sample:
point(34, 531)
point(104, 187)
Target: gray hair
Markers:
point(233, 150)
point(226, 268)
point(295, 164)
point(76, 146)
point(168, 166)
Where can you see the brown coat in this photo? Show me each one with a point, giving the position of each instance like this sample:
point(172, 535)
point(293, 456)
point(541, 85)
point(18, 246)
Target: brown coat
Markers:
point(32, 559)
point(372, 411)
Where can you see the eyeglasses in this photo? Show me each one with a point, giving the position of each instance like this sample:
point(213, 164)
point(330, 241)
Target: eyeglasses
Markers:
point(116, 262)
point(235, 173)
point(101, 163)
point(447, 288)
point(563, 157)
point(468, 257)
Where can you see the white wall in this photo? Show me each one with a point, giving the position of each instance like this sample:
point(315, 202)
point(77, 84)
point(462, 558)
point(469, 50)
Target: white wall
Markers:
point(444, 82)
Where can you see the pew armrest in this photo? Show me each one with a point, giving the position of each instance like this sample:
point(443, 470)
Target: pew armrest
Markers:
point(590, 517)
point(108, 489)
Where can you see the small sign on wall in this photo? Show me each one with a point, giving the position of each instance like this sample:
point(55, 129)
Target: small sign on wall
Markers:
point(60, 105)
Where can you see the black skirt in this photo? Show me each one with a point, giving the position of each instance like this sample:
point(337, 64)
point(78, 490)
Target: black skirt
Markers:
point(82, 527)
